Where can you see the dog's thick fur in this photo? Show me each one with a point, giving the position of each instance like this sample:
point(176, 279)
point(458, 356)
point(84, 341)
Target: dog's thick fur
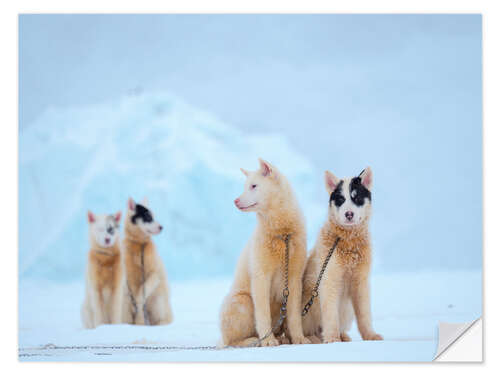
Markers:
point(144, 302)
point(253, 304)
point(104, 282)
point(344, 290)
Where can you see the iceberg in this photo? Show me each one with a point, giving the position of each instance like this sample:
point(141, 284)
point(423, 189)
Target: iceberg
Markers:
point(183, 159)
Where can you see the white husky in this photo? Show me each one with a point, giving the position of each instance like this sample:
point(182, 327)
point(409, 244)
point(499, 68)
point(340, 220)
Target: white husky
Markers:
point(253, 304)
point(344, 291)
point(104, 281)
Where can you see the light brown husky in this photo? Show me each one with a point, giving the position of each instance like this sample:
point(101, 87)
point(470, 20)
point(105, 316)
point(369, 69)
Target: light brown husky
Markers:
point(254, 302)
point(147, 297)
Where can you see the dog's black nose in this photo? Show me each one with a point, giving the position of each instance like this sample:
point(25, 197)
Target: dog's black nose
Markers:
point(161, 227)
point(349, 215)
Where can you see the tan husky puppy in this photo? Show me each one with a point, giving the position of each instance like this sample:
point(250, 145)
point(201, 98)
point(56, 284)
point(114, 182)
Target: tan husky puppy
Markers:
point(253, 304)
point(104, 279)
point(146, 298)
point(344, 290)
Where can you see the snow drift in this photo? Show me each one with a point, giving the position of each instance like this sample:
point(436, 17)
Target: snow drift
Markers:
point(185, 160)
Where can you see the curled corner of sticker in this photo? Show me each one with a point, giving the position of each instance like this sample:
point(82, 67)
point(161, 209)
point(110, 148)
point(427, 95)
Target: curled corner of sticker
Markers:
point(451, 334)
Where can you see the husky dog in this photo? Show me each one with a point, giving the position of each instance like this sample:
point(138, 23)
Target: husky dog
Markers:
point(104, 279)
point(253, 304)
point(146, 298)
point(344, 290)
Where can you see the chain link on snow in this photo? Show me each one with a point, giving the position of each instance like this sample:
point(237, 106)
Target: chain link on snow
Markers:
point(52, 347)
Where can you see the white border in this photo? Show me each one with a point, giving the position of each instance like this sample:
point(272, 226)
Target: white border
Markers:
point(8, 149)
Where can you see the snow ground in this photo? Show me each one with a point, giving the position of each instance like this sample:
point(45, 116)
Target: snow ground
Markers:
point(406, 308)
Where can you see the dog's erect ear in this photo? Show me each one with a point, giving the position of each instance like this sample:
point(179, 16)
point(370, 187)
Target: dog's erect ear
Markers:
point(131, 204)
point(244, 171)
point(331, 182)
point(145, 202)
point(265, 168)
point(118, 216)
point(90, 216)
point(367, 178)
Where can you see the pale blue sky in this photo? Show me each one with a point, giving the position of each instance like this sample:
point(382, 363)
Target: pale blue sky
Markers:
point(261, 72)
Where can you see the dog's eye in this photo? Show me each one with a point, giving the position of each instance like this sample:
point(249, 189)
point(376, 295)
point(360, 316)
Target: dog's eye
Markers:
point(254, 186)
point(359, 201)
point(356, 198)
point(111, 230)
point(339, 200)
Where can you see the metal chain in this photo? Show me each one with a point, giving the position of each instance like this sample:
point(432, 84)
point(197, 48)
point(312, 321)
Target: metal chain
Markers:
point(134, 303)
point(286, 293)
point(25, 352)
point(132, 299)
point(144, 309)
point(314, 292)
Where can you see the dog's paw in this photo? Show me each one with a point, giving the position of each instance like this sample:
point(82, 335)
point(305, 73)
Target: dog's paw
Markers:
point(284, 340)
point(372, 336)
point(270, 341)
point(345, 337)
point(332, 338)
point(314, 339)
point(301, 340)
